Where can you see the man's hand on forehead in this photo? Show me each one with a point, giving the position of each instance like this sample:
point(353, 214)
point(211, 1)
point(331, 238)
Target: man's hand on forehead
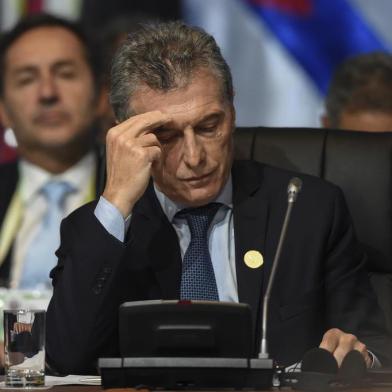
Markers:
point(131, 149)
point(143, 123)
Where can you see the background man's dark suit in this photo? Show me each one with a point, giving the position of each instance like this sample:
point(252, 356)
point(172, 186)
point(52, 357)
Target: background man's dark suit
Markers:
point(9, 177)
point(320, 283)
point(8, 182)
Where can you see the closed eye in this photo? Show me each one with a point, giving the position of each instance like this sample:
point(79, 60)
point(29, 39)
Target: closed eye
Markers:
point(66, 72)
point(25, 77)
point(24, 80)
point(206, 129)
point(165, 135)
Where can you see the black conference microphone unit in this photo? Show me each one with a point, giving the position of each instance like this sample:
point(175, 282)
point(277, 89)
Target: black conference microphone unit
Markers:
point(179, 320)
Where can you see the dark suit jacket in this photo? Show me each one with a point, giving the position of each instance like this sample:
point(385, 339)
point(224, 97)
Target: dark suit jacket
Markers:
point(320, 282)
point(8, 181)
point(9, 177)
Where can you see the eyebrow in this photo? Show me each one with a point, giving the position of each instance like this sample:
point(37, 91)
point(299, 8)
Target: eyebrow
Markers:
point(33, 68)
point(209, 117)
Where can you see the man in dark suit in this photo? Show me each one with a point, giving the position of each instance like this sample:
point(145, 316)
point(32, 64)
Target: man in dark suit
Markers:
point(49, 93)
point(177, 219)
point(359, 98)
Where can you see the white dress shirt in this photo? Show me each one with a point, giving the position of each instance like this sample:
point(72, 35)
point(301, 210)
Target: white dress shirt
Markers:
point(220, 235)
point(81, 177)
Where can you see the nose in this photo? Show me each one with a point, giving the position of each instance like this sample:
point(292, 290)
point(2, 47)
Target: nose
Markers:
point(193, 149)
point(48, 93)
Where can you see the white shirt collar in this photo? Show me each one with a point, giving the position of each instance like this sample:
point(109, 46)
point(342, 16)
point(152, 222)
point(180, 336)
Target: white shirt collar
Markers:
point(33, 178)
point(170, 208)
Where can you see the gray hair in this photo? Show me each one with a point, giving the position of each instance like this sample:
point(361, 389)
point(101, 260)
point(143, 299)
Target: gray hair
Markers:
point(164, 56)
point(361, 83)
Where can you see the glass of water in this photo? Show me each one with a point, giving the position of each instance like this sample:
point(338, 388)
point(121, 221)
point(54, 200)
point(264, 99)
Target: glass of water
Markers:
point(24, 348)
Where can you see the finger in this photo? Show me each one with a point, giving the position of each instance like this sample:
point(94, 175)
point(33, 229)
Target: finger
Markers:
point(346, 344)
point(148, 122)
point(330, 340)
point(154, 153)
point(339, 354)
point(138, 125)
point(117, 142)
point(149, 139)
point(148, 119)
point(361, 347)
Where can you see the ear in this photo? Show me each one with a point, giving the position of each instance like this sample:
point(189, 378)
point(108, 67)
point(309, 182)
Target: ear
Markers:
point(103, 112)
point(102, 103)
point(4, 118)
point(233, 114)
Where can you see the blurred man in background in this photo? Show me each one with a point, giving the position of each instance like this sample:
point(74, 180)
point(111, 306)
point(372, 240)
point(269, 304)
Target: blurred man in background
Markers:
point(49, 96)
point(359, 97)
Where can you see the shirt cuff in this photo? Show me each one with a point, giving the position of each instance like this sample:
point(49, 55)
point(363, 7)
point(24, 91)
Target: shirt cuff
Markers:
point(111, 219)
point(376, 364)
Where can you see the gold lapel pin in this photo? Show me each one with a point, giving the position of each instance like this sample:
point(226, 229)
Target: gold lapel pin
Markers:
point(253, 259)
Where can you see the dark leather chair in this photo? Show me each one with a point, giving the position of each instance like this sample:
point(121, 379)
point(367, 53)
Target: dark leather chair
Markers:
point(359, 163)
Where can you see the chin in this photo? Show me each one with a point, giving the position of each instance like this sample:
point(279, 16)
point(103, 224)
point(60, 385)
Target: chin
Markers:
point(61, 141)
point(199, 197)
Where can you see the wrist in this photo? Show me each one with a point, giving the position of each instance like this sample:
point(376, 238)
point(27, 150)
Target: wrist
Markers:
point(123, 204)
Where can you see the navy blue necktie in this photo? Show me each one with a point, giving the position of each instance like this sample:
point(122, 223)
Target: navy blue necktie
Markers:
point(198, 278)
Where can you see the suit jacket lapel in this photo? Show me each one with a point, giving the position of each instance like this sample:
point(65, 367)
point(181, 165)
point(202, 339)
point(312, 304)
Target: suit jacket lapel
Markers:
point(250, 223)
point(159, 241)
point(158, 238)
point(9, 178)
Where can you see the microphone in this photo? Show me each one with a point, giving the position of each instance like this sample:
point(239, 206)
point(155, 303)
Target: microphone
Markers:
point(294, 187)
point(293, 190)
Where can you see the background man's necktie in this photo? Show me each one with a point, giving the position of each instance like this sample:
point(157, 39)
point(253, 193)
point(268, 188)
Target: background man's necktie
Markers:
point(40, 257)
point(198, 278)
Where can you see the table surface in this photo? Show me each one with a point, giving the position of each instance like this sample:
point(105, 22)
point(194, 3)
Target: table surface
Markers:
point(86, 388)
point(66, 388)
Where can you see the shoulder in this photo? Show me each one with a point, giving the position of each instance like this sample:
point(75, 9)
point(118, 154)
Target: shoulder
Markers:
point(8, 173)
point(83, 213)
point(9, 178)
point(274, 181)
point(320, 208)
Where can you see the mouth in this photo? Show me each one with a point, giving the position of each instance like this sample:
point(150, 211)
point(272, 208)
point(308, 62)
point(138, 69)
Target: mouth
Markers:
point(197, 179)
point(51, 118)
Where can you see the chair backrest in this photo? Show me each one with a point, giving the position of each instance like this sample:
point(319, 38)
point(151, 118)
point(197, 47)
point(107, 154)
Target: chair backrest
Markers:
point(358, 162)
